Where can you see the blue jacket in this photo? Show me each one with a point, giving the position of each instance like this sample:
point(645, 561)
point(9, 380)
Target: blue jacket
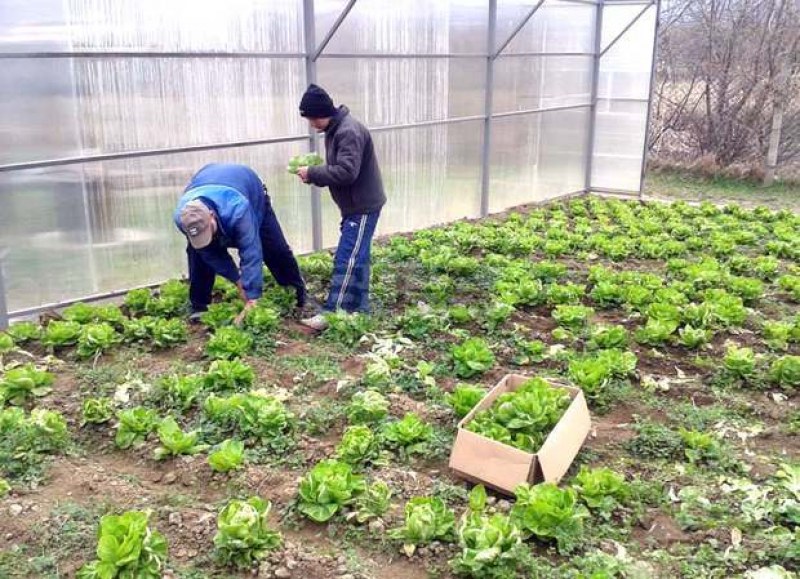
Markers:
point(236, 195)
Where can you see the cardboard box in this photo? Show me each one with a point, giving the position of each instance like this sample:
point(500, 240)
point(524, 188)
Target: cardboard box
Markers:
point(502, 467)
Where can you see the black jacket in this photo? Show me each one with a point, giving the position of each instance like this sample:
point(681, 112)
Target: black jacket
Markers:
point(351, 170)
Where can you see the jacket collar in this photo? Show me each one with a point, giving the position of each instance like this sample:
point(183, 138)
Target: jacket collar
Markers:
point(336, 120)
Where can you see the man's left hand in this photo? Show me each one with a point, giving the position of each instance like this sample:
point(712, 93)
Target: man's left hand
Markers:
point(302, 172)
point(248, 305)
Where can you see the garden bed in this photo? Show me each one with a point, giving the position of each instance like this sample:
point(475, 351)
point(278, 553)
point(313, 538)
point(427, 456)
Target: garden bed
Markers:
point(679, 323)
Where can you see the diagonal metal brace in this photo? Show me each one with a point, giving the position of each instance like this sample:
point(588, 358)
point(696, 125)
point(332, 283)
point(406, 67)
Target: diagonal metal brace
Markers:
point(516, 31)
point(628, 27)
point(333, 29)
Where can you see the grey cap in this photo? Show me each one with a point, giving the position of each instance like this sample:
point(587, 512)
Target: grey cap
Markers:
point(196, 219)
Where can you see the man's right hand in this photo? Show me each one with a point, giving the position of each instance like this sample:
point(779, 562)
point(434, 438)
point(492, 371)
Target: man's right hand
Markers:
point(241, 291)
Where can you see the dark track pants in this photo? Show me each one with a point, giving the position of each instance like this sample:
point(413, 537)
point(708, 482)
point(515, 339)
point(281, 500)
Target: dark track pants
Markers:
point(350, 281)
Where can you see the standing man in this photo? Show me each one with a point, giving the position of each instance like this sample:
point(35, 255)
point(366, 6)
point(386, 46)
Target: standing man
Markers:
point(354, 178)
point(228, 206)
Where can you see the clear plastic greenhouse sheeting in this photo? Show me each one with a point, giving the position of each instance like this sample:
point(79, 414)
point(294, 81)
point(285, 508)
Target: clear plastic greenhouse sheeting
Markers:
point(82, 229)
point(96, 226)
point(542, 152)
point(152, 25)
point(555, 27)
point(623, 91)
point(431, 175)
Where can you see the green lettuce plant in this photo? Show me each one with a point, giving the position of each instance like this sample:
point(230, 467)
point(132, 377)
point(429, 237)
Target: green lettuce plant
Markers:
point(97, 411)
point(243, 534)
point(524, 417)
point(367, 407)
point(464, 398)
point(80, 312)
point(262, 320)
point(410, 434)
point(573, 317)
point(175, 442)
point(358, 445)
point(136, 300)
point(95, 339)
point(373, 503)
point(220, 314)
point(601, 489)
point(346, 328)
point(785, 372)
point(739, 363)
point(19, 384)
point(606, 337)
point(229, 375)
point(228, 456)
point(253, 414)
point(166, 333)
point(491, 548)
point(127, 548)
point(307, 160)
point(178, 391)
point(700, 446)
point(59, 334)
point(550, 514)
point(134, 426)
point(228, 343)
point(694, 338)
point(427, 519)
point(22, 332)
point(471, 358)
point(328, 487)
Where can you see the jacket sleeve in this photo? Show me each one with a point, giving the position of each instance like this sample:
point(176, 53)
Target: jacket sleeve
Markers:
point(349, 153)
point(244, 234)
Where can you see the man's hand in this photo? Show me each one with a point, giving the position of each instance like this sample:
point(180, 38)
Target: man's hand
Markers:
point(302, 172)
point(248, 305)
point(241, 291)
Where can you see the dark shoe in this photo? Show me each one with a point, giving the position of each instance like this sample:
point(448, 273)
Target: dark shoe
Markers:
point(308, 309)
point(195, 317)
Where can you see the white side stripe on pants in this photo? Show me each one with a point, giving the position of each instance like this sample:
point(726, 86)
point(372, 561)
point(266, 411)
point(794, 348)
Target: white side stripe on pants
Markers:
point(352, 261)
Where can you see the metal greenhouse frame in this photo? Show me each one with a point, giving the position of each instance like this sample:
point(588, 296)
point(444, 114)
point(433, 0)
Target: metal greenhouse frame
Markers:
point(315, 50)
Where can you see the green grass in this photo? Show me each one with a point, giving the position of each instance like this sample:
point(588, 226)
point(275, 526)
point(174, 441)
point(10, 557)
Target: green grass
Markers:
point(676, 185)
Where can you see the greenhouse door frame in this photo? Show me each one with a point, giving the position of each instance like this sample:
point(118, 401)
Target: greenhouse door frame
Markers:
point(311, 54)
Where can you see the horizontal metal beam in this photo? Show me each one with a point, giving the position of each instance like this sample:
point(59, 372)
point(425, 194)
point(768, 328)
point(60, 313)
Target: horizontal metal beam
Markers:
point(431, 123)
point(409, 55)
point(535, 111)
point(608, 191)
point(540, 54)
point(624, 30)
point(333, 29)
point(149, 54)
point(32, 311)
point(516, 30)
point(623, 99)
point(146, 153)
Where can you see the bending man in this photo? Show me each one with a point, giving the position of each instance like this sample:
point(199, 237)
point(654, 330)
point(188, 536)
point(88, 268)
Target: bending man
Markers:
point(228, 206)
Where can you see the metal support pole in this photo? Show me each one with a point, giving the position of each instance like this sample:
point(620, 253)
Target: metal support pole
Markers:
point(311, 78)
point(650, 99)
point(3, 303)
point(598, 39)
point(487, 107)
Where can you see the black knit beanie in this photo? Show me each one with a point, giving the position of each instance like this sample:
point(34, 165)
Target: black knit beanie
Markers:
point(316, 103)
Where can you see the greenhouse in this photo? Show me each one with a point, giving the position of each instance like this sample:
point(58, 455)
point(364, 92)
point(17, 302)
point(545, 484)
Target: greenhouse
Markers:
point(472, 326)
point(476, 107)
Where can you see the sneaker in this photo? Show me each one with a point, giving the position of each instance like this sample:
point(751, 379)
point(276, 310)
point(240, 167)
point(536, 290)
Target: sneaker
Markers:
point(318, 322)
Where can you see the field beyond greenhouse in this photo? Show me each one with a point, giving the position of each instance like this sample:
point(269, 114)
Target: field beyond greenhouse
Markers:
point(263, 451)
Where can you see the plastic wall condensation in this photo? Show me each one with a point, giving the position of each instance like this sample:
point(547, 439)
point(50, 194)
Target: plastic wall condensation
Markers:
point(184, 73)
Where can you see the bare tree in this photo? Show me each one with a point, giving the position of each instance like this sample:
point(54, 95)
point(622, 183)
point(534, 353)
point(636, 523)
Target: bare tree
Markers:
point(724, 78)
